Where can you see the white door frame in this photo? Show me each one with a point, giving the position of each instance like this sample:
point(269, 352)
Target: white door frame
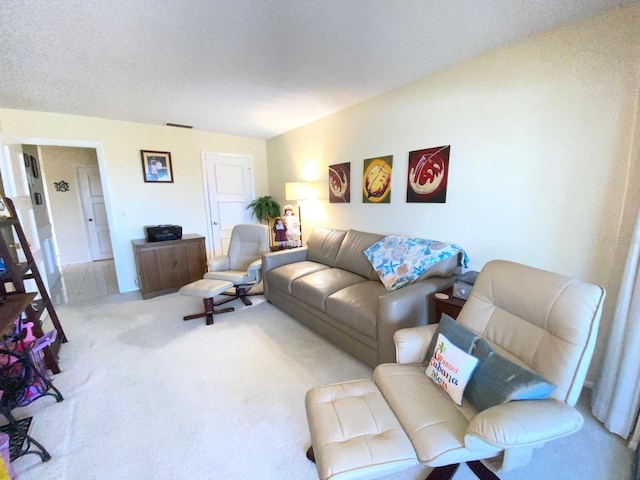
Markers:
point(208, 195)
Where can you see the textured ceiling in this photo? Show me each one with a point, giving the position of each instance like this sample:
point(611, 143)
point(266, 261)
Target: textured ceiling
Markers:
point(247, 67)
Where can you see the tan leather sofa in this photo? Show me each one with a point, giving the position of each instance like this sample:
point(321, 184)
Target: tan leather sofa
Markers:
point(542, 321)
point(331, 287)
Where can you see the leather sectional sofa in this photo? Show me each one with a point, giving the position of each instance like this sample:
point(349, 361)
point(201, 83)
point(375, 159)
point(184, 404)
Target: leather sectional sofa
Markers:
point(331, 287)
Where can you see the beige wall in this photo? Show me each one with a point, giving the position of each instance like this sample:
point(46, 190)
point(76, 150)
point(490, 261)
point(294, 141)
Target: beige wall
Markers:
point(59, 163)
point(540, 137)
point(132, 203)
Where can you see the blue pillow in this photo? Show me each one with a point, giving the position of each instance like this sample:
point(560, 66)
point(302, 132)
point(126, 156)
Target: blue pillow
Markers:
point(498, 380)
point(455, 333)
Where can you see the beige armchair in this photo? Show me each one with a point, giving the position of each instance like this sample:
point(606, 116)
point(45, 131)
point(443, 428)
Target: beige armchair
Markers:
point(242, 265)
point(542, 321)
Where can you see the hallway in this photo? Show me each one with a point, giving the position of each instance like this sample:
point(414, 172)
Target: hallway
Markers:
point(83, 282)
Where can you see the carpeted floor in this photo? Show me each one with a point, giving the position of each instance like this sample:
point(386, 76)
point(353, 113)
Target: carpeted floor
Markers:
point(148, 396)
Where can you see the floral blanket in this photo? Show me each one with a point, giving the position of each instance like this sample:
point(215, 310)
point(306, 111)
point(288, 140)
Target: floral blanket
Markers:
point(401, 260)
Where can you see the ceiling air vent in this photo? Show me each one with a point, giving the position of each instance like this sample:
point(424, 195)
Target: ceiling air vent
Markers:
point(178, 125)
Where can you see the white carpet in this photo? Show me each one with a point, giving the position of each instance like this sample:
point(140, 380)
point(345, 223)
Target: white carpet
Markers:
point(148, 396)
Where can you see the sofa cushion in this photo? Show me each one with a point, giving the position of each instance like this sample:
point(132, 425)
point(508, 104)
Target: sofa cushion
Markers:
point(282, 277)
point(400, 260)
point(351, 254)
point(323, 245)
point(498, 380)
point(357, 307)
point(450, 368)
point(313, 289)
point(434, 424)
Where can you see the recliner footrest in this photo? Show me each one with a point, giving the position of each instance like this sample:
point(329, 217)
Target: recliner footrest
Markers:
point(354, 433)
point(205, 288)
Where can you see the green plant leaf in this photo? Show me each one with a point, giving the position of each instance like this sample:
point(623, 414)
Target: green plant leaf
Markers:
point(264, 207)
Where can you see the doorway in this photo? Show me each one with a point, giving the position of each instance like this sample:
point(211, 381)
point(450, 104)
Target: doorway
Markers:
point(71, 235)
point(78, 214)
point(73, 188)
point(228, 184)
point(71, 179)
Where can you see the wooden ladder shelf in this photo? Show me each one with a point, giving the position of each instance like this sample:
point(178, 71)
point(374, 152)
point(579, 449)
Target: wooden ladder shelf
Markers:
point(19, 272)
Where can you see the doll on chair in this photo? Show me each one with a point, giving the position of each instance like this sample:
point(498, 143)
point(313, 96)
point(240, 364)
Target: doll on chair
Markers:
point(280, 232)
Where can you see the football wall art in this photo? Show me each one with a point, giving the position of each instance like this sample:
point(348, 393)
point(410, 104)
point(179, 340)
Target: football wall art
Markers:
point(376, 180)
point(428, 175)
point(340, 183)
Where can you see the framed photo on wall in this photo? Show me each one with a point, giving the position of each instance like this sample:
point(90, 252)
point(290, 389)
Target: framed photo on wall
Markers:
point(156, 166)
point(34, 166)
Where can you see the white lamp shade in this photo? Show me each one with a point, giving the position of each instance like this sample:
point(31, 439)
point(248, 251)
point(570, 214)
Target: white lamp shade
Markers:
point(298, 191)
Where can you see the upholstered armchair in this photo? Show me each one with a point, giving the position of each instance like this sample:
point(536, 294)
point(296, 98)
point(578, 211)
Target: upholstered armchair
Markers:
point(541, 323)
point(243, 262)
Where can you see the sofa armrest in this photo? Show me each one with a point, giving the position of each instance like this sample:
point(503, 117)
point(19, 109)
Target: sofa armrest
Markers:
point(412, 343)
point(404, 308)
point(524, 423)
point(277, 259)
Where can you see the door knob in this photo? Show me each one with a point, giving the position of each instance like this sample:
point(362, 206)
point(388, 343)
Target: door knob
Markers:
point(91, 219)
point(215, 222)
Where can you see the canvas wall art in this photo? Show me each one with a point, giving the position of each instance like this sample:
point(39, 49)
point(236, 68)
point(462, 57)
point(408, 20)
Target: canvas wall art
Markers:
point(428, 174)
point(376, 180)
point(340, 183)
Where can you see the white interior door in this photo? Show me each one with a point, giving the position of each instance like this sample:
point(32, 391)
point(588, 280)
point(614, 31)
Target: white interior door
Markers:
point(49, 267)
point(16, 186)
point(95, 213)
point(229, 189)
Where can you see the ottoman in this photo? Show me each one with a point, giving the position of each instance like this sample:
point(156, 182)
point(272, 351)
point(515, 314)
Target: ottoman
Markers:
point(206, 289)
point(354, 433)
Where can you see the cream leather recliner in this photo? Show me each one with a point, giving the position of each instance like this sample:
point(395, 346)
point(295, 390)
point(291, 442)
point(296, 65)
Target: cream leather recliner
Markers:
point(540, 320)
point(242, 265)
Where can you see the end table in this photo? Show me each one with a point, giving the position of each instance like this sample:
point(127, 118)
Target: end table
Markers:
point(451, 306)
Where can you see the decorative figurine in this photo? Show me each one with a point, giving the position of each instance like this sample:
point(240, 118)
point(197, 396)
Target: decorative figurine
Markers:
point(293, 227)
point(280, 232)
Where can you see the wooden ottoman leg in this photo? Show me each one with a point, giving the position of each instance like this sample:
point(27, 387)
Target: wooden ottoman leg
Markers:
point(445, 472)
point(208, 310)
point(310, 454)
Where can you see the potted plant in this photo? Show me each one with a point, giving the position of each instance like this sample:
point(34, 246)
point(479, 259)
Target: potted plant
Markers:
point(264, 208)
